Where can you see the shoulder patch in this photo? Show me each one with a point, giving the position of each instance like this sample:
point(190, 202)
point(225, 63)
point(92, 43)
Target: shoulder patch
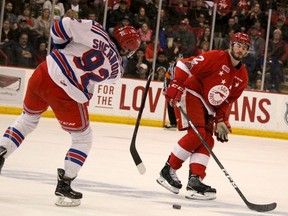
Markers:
point(188, 64)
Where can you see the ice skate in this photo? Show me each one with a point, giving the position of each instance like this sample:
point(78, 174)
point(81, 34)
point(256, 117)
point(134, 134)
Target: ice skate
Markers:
point(67, 197)
point(169, 180)
point(170, 127)
point(3, 151)
point(199, 191)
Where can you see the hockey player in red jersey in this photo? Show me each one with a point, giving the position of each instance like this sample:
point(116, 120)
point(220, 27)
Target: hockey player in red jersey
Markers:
point(205, 86)
point(84, 55)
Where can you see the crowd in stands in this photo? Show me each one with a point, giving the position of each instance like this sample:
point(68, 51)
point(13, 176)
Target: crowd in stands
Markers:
point(185, 29)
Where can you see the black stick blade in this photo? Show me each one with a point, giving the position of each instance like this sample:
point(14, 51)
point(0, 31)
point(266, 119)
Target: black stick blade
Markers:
point(262, 208)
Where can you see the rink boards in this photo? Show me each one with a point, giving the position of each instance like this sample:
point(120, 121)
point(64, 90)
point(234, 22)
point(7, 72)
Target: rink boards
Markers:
point(255, 113)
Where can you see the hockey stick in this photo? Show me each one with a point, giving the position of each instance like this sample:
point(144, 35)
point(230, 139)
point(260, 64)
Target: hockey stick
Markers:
point(252, 206)
point(135, 155)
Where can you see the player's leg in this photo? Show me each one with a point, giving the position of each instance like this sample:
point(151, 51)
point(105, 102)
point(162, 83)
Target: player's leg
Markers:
point(74, 119)
point(33, 106)
point(183, 148)
point(196, 189)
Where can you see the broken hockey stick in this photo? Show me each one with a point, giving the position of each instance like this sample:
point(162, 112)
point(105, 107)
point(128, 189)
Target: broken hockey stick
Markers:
point(135, 155)
point(252, 206)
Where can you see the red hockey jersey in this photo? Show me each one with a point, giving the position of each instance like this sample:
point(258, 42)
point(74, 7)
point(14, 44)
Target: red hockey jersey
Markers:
point(212, 78)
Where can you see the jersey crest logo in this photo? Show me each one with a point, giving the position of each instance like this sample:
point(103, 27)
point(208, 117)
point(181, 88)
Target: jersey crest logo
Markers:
point(218, 94)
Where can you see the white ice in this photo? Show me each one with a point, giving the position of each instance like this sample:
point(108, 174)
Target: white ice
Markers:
point(111, 184)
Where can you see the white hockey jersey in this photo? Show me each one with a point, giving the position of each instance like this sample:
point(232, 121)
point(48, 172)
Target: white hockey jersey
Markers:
point(87, 57)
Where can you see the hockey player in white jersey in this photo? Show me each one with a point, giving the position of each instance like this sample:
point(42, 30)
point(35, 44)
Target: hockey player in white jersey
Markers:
point(83, 56)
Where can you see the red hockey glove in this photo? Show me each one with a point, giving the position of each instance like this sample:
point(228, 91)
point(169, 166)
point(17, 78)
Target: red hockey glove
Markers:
point(222, 129)
point(174, 92)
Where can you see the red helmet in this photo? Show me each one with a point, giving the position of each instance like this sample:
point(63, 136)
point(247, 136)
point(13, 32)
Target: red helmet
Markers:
point(128, 38)
point(241, 38)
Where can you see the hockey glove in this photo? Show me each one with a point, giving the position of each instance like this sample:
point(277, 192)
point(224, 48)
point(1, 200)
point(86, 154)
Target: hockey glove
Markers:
point(221, 130)
point(174, 92)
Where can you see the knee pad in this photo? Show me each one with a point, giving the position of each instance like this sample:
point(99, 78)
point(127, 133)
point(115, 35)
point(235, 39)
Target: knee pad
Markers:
point(82, 141)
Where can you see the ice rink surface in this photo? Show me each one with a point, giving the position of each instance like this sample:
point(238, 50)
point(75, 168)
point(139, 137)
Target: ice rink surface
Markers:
point(112, 186)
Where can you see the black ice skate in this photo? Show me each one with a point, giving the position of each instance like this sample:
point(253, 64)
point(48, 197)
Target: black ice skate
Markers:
point(3, 151)
point(199, 191)
point(67, 197)
point(169, 179)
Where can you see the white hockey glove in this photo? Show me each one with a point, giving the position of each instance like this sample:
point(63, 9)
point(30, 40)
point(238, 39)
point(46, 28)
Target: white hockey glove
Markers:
point(221, 130)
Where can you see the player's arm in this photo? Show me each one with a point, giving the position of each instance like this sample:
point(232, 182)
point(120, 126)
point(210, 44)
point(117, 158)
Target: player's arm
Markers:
point(176, 87)
point(222, 115)
point(78, 31)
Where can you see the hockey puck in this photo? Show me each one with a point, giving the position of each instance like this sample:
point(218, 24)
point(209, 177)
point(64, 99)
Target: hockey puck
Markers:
point(176, 206)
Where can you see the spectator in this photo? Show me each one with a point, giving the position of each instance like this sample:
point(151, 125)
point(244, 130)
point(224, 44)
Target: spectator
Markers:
point(124, 22)
point(188, 38)
point(142, 71)
point(9, 13)
point(195, 12)
point(23, 28)
point(79, 10)
point(7, 39)
point(257, 86)
point(149, 51)
point(152, 10)
point(136, 5)
point(200, 22)
point(261, 30)
point(163, 40)
point(252, 66)
point(176, 49)
point(115, 4)
point(168, 32)
point(160, 73)
point(42, 26)
point(93, 15)
point(179, 11)
point(24, 55)
point(231, 24)
point(164, 20)
point(36, 7)
point(59, 10)
point(280, 13)
point(257, 43)
point(184, 21)
point(41, 53)
point(134, 63)
point(145, 34)
point(283, 27)
point(161, 60)
point(27, 16)
point(204, 47)
point(70, 13)
point(206, 36)
point(277, 57)
point(224, 12)
point(116, 16)
point(255, 14)
point(140, 18)
point(240, 15)
point(226, 40)
point(243, 4)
